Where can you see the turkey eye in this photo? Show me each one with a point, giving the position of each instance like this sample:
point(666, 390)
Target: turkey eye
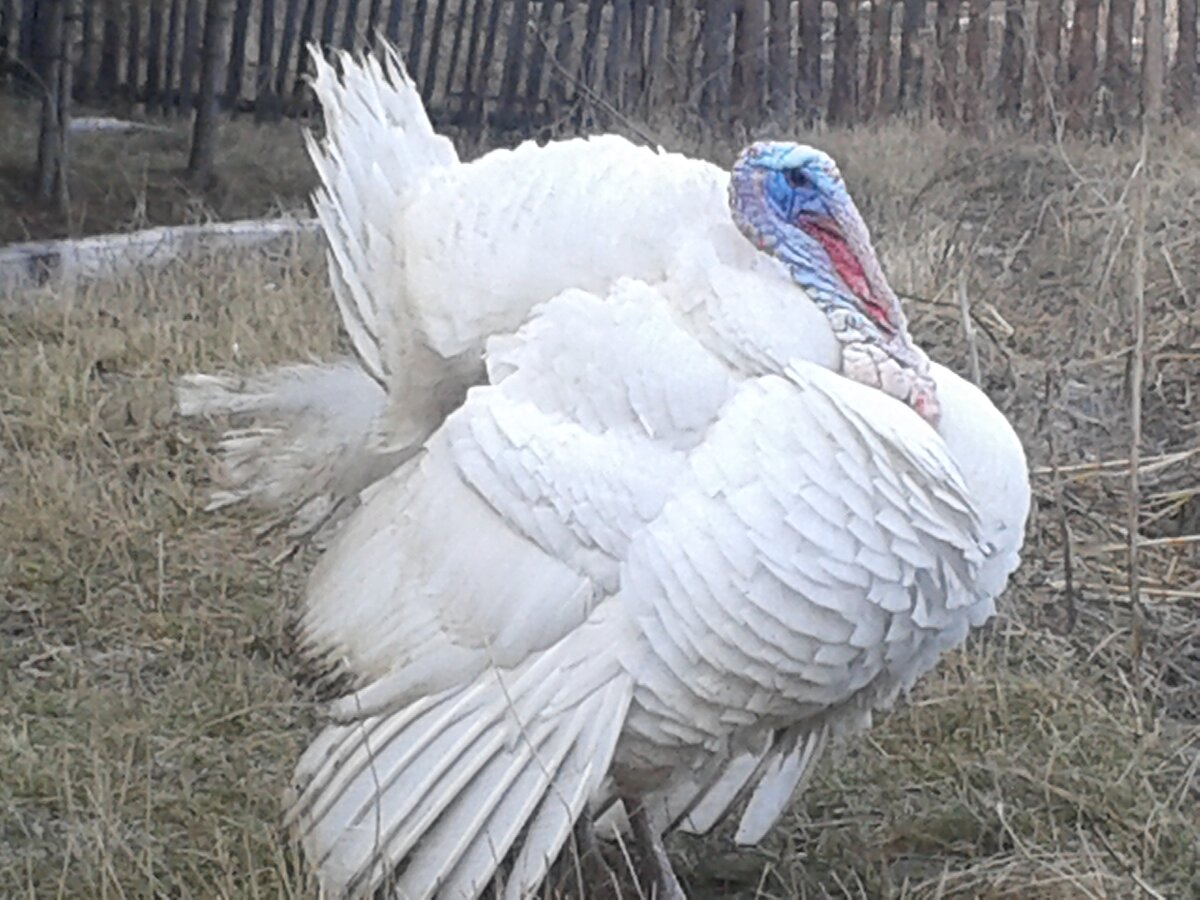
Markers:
point(796, 178)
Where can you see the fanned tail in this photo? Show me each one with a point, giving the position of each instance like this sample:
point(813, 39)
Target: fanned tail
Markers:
point(432, 798)
point(316, 435)
point(304, 441)
point(379, 146)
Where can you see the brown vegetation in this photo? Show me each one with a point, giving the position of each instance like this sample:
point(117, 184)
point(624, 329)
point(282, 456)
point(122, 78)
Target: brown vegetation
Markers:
point(151, 711)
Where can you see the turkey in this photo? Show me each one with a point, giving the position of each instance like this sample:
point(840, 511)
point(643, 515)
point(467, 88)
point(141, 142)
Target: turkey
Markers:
point(429, 256)
point(654, 501)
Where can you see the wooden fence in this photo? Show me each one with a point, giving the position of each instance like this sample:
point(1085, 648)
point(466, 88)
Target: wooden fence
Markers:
point(525, 63)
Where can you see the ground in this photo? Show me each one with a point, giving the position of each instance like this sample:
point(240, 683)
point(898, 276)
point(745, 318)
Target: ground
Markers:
point(151, 707)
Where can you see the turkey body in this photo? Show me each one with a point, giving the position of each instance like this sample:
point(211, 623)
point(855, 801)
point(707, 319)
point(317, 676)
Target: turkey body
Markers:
point(629, 531)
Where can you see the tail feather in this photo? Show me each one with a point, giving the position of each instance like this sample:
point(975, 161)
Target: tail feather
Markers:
point(308, 443)
point(379, 146)
point(433, 797)
point(786, 770)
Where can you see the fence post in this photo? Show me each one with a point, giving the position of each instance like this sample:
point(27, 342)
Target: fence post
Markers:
point(614, 57)
point(844, 85)
point(266, 103)
point(287, 45)
point(1185, 76)
point(237, 52)
point(782, 95)
point(1012, 60)
point(429, 82)
point(350, 26)
point(912, 55)
point(308, 22)
point(810, 58)
point(537, 59)
point(749, 59)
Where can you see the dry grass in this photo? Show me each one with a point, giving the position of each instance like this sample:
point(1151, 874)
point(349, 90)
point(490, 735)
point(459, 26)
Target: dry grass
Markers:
point(121, 182)
point(151, 710)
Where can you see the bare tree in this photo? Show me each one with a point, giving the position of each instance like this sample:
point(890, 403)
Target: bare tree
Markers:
point(1012, 59)
point(912, 54)
point(879, 60)
point(945, 86)
point(1081, 63)
point(202, 160)
point(810, 57)
point(749, 57)
point(54, 73)
point(975, 59)
point(1119, 75)
point(1049, 44)
point(1185, 75)
point(1154, 64)
point(783, 99)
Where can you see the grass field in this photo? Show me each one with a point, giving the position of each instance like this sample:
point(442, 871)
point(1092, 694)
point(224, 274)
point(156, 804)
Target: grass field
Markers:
point(151, 709)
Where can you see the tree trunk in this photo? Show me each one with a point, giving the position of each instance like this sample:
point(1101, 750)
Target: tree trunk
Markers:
point(975, 60)
point(237, 52)
point(844, 88)
point(133, 61)
point(1012, 60)
point(1185, 75)
point(155, 42)
point(392, 31)
point(85, 75)
point(49, 42)
point(108, 75)
point(8, 15)
point(1119, 73)
point(945, 86)
point(28, 32)
point(1154, 67)
point(1081, 64)
point(266, 101)
point(287, 46)
point(191, 56)
point(879, 55)
point(202, 159)
point(614, 57)
point(1046, 58)
point(562, 87)
point(170, 96)
point(810, 58)
point(912, 55)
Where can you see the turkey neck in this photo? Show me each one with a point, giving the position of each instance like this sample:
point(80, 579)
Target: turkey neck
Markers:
point(876, 347)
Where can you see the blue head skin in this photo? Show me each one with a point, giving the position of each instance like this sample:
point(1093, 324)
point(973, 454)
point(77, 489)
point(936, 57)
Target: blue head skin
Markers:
point(790, 201)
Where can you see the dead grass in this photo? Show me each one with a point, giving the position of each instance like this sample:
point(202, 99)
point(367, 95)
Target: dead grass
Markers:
point(151, 710)
point(122, 182)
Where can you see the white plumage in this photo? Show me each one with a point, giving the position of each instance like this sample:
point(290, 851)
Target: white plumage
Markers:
point(661, 551)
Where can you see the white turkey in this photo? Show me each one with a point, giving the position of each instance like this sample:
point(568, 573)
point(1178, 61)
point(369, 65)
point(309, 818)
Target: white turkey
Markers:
point(689, 524)
point(430, 256)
